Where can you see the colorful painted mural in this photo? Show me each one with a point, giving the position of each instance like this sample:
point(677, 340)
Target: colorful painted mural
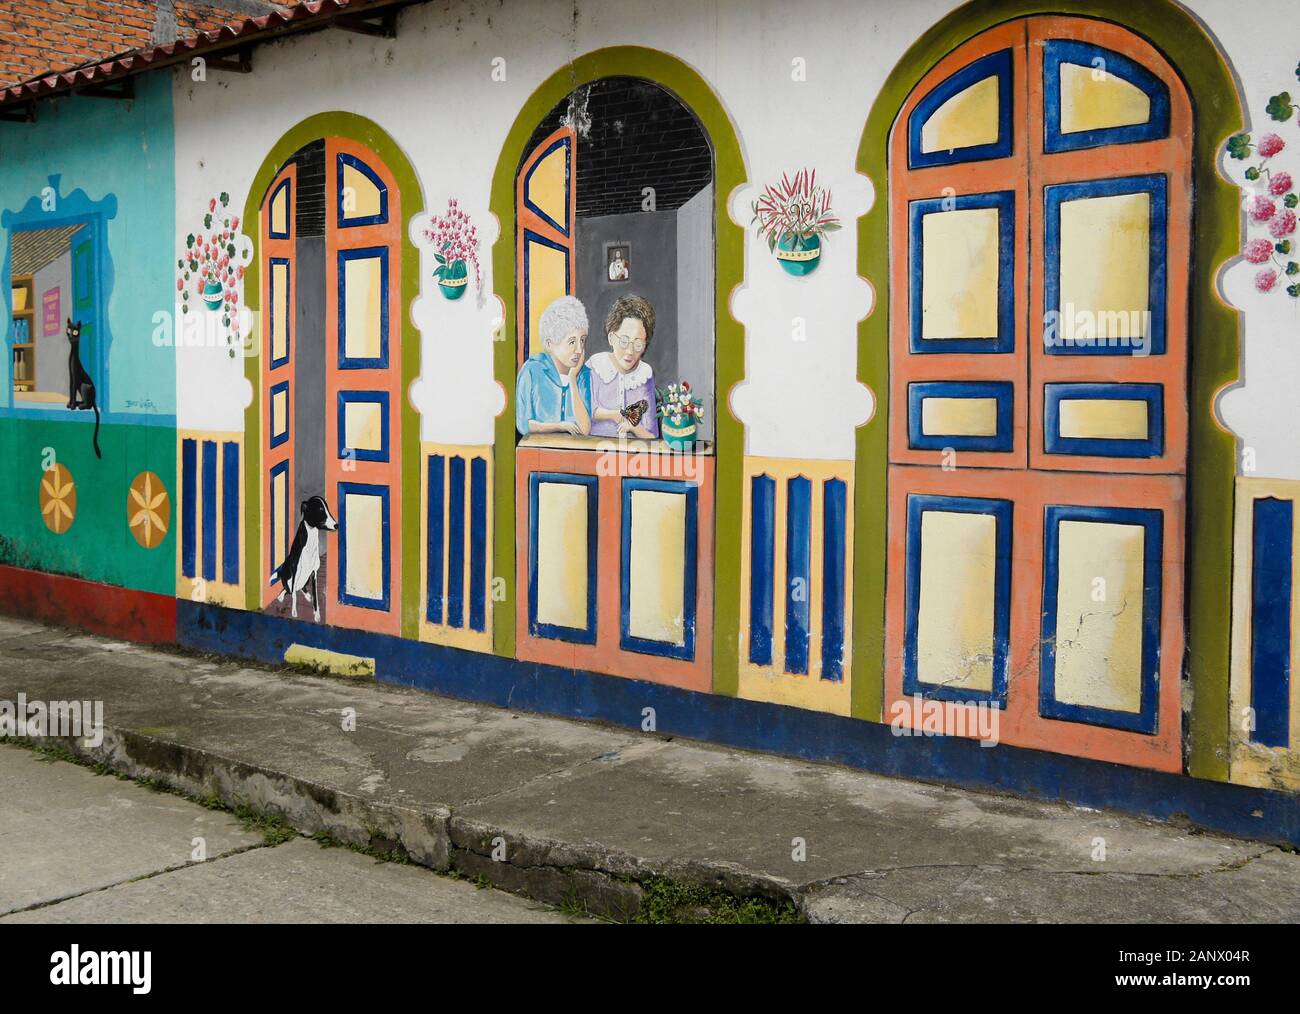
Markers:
point(1000, 425)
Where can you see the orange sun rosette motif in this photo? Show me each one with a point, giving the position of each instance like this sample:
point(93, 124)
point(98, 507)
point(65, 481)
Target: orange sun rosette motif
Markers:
point(58, 499)
point(148, 510)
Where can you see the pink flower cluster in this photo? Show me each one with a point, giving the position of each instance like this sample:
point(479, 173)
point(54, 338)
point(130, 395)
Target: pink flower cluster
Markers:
point(455, 238)
point(1275, 211)
point(210, 258)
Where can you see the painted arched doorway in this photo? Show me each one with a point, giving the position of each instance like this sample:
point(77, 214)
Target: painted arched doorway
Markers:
point(1040, 196)
point(508, 503)
point(331, 274)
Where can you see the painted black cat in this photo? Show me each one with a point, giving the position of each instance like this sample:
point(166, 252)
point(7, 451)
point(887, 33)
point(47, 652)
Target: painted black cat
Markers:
point(80, 387)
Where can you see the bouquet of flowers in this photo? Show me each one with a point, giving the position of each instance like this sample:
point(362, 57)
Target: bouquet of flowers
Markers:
point(455, 242)
point(798, 209)
point(678, 406)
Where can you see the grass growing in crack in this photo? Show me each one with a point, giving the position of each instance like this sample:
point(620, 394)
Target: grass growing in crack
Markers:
point(669, 902)
point(392, 855)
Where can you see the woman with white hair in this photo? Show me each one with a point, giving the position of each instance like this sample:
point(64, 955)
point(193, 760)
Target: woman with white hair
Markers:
point(553, 390)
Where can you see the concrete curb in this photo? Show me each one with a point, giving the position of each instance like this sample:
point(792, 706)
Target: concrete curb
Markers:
point(607, 882)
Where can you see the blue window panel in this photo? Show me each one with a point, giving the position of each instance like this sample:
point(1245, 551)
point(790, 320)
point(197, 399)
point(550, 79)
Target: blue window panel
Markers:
point(685, 650)
point(1145, 719)
point(346, 597)
point(361, 363)
point(284, 185)
point(209, 510)
point(347, 398)
point(288, 302)
point(456, 542)
point(189, 508)
point(437, 479)
point(348, 222)
point(995, 64)
point(1054, 197)
point(1001, 511)
point(587, 634)
point(1270, 625)
point(1003, 392)
point(798, 572)
point(567, 145)
point(278, 438)
point(1153, 394)
point(230, 512)
point(532, 342)
point(478, 544)
point(281, 469)
point(1059, 51)
point(1005, 339)
point(833, 542)
point(762, 566)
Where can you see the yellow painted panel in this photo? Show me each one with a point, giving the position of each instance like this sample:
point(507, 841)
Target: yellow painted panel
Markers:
point(279, 536)
point(360, 195)
point(1092, 100)
point(1104, 419)
point(967, 119)
point(363, 423)
point(548, 187)
point(279, 412)
point(336, 662)
point(1105, 265)
point(959, 417)
point(656, 606)
point(1099, 604)
point(363, 291)
point(954, 634)
point(960, 280)
point(364, 533)
point(279, 311)
point(280, 211)
point(547, 271)
point(562, 554)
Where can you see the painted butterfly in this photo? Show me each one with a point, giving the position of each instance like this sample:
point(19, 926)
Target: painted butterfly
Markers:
point(634, 412)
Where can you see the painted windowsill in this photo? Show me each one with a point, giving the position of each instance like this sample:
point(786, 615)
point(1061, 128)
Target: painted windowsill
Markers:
point(563, 441)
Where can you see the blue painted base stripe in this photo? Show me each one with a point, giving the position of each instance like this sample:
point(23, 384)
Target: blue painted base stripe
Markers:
point(1270, 641)
point(754, 725)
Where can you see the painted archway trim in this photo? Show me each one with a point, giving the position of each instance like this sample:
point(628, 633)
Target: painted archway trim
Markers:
point(367, 132)
point(1214, 340)
point(729, 173)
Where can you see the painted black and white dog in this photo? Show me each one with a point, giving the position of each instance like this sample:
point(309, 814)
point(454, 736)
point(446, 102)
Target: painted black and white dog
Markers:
point(303, 561)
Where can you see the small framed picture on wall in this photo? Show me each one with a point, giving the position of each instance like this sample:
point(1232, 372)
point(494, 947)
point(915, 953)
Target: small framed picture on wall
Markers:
point(618, 261)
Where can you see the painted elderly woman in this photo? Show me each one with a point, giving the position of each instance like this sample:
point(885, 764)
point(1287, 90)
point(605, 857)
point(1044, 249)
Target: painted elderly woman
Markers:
point(621, 382)
point(552, 392)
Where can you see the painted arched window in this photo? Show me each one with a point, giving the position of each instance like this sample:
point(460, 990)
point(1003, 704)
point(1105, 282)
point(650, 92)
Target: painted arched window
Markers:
point(1040, 201)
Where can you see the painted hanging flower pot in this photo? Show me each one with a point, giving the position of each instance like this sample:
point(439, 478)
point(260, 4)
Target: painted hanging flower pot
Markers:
point(794, 217)
point(213, 294)
point(680, 414)
point(455, 245)
point(213, 264)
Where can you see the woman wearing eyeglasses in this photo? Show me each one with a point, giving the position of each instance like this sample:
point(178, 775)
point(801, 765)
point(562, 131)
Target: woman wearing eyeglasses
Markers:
point(622, 382)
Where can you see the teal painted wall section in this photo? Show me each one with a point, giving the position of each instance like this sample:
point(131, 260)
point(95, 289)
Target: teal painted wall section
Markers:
point(114, 160)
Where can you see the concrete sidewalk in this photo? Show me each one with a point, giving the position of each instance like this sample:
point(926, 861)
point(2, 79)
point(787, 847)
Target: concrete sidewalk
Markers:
point(564, 811)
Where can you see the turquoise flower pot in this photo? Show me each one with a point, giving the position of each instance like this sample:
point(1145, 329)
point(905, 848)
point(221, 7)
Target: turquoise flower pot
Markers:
point(455, 281)
point(680, 438)
point(799, 256)
point(213, 295)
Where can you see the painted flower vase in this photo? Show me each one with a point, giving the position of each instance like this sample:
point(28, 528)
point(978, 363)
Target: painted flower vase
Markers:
point(679, 436)
point(453, 279)
point(213, 295)
point(799, 256)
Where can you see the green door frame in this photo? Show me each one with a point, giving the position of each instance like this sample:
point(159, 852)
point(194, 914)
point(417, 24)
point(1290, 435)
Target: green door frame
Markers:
point(729, 173)
point(1213, 338)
